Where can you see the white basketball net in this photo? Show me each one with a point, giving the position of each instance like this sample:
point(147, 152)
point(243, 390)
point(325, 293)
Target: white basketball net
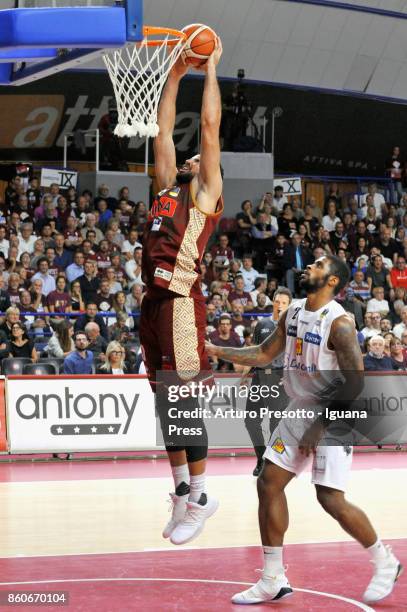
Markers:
point(138, 73)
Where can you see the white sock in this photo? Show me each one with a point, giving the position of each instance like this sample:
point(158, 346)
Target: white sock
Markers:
point(197, 487)
point(180, 473)
point(378, 551)
point(273, 561)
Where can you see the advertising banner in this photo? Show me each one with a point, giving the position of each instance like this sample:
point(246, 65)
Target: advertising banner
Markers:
point(68, 414)
point(319, 132)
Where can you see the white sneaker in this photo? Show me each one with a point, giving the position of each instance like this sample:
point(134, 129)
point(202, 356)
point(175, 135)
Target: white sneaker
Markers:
point(384, 578)
point(194, 521)
point(269, 589)
point(179, 507)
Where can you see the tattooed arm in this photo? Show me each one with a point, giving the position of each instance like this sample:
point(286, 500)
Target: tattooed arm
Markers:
point(259, 355)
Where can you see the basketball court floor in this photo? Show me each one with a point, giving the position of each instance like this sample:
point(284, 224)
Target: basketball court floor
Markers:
point(92, 529)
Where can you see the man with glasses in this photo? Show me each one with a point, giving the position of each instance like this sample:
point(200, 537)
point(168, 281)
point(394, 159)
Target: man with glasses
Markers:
point(372, 327)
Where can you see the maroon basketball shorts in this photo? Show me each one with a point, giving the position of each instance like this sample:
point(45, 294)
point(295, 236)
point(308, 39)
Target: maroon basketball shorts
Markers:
point(172, 336)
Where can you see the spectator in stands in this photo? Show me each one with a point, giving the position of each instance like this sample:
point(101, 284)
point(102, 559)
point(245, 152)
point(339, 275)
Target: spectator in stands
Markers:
point(372, 325)
point(260, 286)
point(119, 306)
point(48, 281)
point(376, 360)
point(89, 282)
point(261, 305)
point(63, 257)
point(296, 259)
point(398, 274)
point(378, 200)
point(131, 243)
point(91, 316)
point(400, 328)
point(59, 300)
point(248, 273)
point(97, 343)
point(104, 214)
point(378, 276)
point(4, 345)
point(119, 330)
point(263, 234)
point(115, 361)
point(279, 199)
point(76, 269)
point(354, 306)
point(378, 303)
point(360, 286)
point(114, 285)
point(398, 354)
point(77, 302)
point(104, 299)
point(133, 268)
point(222, 251)
point(14, 288)
point(239, 322)
point(245, 220)
point(37, 254)
point(104, 194)
point(404, 340)
point(80, 360)
point(287, 223)
point(61, 342)
point(330, 220)
point(224, 336)
point(238, 293)
point(4, 297)
point(20, 345)
point(27, 239)
point(385, 326)
point(134, 298)
point(91, 225)
point(4, 243)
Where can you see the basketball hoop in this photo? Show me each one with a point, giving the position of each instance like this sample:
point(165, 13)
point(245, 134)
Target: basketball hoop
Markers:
point(138, 73)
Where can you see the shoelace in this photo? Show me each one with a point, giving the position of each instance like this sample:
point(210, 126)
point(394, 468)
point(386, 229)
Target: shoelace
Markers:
point(192, 515)
point(377, 564)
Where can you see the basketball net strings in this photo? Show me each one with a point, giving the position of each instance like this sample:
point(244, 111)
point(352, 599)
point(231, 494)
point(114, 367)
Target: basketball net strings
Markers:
point(138, 76)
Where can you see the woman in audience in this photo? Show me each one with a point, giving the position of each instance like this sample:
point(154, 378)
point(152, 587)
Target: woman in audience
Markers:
point(119, 306)
point(61, 343)
point(77, 303)
point(115, 360)
point(398, 354)
point(20, 344)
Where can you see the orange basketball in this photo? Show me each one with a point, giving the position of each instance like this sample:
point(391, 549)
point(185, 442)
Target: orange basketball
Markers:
point(200, 44)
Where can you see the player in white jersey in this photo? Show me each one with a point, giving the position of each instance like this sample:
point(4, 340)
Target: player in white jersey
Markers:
point(317, 337)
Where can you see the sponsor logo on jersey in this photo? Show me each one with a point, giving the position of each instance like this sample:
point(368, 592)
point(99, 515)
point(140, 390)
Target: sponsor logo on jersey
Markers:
point(292, 331)
point(164, 207)
point(293, 364)
point(156, 224)
point(278, 446)
point(164, 274)
point(298, 346)
point(313, 338)
point(174, 192)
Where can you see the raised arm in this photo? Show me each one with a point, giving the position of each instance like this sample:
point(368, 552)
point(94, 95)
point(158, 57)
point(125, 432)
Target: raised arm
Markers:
point(209, 187)
point(164, 148)
point(259, 355)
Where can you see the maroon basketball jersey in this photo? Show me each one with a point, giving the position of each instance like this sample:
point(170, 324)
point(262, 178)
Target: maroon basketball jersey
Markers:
point(174, 241)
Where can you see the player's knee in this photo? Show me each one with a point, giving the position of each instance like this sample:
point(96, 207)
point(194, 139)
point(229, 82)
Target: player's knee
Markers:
point(332, 501)
point(267, 484)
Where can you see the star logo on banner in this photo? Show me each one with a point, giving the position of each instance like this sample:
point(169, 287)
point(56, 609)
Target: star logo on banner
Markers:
point(110, 429)
point(93, 429)
point(59, 430)
point(76, 429)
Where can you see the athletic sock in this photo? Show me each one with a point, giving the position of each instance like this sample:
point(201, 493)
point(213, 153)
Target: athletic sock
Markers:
point(273, 561)
point(180, 474)
point(378, 552)
point(197, 489)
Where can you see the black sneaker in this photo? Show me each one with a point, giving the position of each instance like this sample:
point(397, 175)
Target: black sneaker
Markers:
point(259, 467)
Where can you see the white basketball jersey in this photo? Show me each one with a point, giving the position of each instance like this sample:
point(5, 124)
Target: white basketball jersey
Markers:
point(308, 332)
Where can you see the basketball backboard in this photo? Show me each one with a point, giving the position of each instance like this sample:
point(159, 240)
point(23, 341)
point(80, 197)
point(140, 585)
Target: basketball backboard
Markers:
point(41, 37)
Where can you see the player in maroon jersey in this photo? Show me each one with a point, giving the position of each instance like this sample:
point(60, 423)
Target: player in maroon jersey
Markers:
point(173, 318)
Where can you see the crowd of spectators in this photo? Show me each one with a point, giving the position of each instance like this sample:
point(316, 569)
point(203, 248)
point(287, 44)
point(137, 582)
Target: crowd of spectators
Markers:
point(71, 286)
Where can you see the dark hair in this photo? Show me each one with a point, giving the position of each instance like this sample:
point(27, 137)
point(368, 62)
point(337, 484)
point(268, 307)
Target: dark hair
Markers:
point(91, 303)
point(225, 317)
point(62, 331)
point(41, 260)
point(283, 291)
point(338, 268)
point(21, 326)
point(258, 281)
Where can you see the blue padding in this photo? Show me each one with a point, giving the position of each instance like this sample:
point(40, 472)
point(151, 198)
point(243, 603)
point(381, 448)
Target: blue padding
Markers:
point(5, 73)
point(86, 27)
point(27, 55)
